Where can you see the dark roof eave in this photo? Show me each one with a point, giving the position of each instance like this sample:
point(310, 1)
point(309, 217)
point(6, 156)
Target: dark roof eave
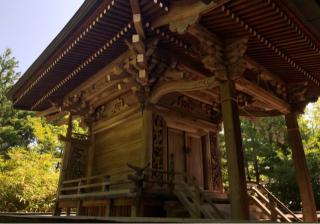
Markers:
point(58, 40)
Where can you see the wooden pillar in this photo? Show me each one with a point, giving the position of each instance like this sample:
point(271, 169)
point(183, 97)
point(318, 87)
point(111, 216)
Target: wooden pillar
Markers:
point(63, 166)
point(236, 171)
point(301, 168)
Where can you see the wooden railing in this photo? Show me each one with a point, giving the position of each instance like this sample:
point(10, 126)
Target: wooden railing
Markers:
point(270, 204)
point(94, 186)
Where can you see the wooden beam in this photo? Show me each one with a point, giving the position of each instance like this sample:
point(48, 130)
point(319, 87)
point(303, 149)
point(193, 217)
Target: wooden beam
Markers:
point(182, 86)
point(185, 121)
point(301, 168)
point(235, 158)
point(138, 44)
point(198, 98)
point(137, 17)
point(50, 110)
point(262, 95)
point(120, 77)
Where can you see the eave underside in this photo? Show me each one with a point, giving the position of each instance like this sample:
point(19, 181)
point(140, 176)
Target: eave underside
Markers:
point(276, 41)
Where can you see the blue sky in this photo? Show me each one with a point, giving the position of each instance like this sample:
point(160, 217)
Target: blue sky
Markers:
point(28, 26)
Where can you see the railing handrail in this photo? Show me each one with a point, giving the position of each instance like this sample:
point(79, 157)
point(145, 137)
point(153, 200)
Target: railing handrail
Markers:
point(102, 175)
point(276, 200)
point(86, 178)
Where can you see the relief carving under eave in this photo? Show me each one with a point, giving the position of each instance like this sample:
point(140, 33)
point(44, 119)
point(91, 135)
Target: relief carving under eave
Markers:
point(184, 104)
point(115, 107)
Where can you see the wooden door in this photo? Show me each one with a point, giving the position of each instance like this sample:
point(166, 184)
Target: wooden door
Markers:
point(194, 158)
point(176, 148)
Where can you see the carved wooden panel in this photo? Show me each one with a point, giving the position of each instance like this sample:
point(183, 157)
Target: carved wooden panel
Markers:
point(188, 105)
point(77, 165)
point(215, 162)
point(114, 107)
point(159, 126)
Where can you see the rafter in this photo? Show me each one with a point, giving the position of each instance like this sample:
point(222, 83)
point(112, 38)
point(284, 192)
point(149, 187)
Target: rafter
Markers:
point(67, 49)
point(269, 44)
point(83, 65)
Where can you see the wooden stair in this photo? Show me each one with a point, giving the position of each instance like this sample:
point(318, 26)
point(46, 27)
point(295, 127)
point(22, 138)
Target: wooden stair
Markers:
point(270, 205)
point(195, 202)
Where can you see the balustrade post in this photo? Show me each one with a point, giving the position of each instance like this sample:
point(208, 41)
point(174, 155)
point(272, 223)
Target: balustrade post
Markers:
point(79, 202)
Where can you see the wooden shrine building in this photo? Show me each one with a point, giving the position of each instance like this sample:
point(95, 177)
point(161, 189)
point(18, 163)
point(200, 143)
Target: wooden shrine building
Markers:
point(153, 81)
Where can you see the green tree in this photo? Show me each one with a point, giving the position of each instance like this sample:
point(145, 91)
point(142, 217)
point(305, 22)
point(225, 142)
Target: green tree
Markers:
point(28, 181)
point(29, 151)
point(15, 129)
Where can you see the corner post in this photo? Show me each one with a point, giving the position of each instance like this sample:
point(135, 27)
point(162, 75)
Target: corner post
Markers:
point(235, 158)
point(301, 168)
point(63, 167)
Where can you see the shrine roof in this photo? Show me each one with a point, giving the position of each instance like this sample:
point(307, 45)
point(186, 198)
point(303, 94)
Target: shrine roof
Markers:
point(280, 38)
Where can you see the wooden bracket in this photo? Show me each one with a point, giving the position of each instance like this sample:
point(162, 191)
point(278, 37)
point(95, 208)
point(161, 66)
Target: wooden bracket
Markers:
point(137, 17)
point(183, 86)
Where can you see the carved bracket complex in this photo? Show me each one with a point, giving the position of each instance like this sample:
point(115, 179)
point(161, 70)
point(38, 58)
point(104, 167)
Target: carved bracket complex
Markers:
point(182, 86)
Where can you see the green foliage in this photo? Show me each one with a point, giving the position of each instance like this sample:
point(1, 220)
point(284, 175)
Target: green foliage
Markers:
point(46, 135)
point(15, 129)
point(29, 152)
point(28, 181)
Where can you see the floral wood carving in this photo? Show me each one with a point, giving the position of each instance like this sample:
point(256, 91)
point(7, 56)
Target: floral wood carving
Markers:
point(186, 104)
point(118, 106)
point(158, 144)
point(215, 163)
point(77, 165)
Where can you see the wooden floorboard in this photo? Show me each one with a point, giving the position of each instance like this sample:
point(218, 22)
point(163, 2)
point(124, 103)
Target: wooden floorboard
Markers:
point(94, 219)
